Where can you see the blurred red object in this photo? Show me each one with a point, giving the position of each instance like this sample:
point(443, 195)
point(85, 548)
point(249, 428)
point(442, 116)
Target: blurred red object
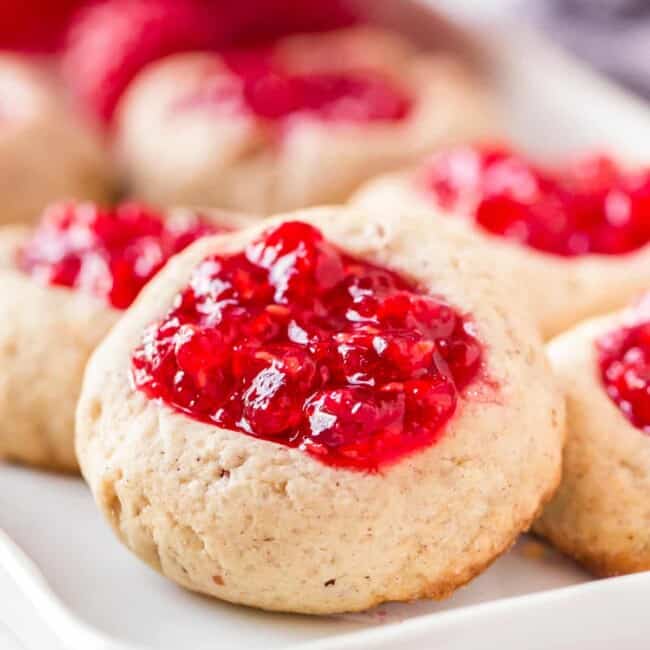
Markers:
point(109, 42)
point(254, 20)
point(34, 25)
point(105, 43)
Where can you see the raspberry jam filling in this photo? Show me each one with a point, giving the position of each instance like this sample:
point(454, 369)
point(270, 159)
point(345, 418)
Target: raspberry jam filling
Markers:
point(271, 93)
point(295, 342)
point(591, 207)
point(624, 358)
point(111, 253)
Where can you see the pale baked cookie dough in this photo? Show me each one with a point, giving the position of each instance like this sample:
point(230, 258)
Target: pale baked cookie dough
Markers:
point(46, 152)
point(258, 523)
point(561, 291)
point(601, 511)
point(175, 149)
point(46, 336)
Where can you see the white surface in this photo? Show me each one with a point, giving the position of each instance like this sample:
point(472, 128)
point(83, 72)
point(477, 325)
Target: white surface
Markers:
point(98, 591)
point(20, 627)
point(58, 526)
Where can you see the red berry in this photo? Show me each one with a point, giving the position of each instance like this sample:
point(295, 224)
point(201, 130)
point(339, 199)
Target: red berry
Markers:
point(430, 399)
point(272, 93)
point(285, 377)
point(624, 357)
point(270, 342)
point(356, 427)
point(591, 207)
point(298, 260)
point(109, 253)
point(340, 97)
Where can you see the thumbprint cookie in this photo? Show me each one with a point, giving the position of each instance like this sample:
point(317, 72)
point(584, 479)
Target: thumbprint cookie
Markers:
point(322, 413)
point(47, 152)
point(64, 284)
point(301, 122)
point(575, 237)
point(600, 513)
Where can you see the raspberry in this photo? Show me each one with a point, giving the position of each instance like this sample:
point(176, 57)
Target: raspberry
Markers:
point(109, 253)
point(591, 207)
point(624, 358)
point(271, 93)
point(295, 342)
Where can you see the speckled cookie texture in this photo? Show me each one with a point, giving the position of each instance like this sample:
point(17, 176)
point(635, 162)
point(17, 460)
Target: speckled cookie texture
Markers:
point(46, 152)
point(46, 336)
point(177, 149)
point(258, 523)
point(600, 513)
point(561, 291)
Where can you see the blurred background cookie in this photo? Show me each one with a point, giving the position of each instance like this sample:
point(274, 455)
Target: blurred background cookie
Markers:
point(599, 515)
point(47, 152)
point(64, 284)
point(575, 236)
point(300, 122)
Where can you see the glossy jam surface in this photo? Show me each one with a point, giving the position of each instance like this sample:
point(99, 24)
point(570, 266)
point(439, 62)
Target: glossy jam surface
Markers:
point(111, 253)
point(624, 357)
point(271, 93)
point(591, 207)
point(295, 342)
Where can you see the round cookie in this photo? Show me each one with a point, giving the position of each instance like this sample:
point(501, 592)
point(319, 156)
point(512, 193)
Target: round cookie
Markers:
point(562, 289)
point(46, 153)
point(301, 124)
point(282, 527)
point(599, 515)
point(48, 328)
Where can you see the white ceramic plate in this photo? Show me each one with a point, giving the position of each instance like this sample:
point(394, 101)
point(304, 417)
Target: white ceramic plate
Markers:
point(87, 591)
point(58, 527)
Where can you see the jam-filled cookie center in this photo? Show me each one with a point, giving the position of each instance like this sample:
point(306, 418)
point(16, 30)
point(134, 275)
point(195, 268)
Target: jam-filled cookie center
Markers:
point(293, 341)
point(592, 207)
point(110, 253)
point(624, 359)
point(267, 90)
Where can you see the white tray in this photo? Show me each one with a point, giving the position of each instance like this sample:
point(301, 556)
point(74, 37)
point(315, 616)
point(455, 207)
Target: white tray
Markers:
point(89, 593)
